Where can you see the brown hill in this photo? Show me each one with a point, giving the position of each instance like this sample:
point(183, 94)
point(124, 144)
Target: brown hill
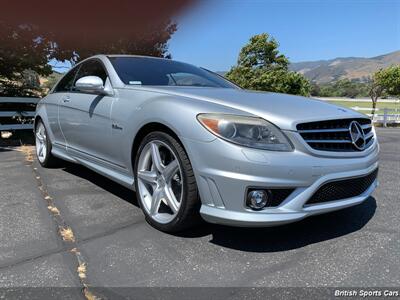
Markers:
point(355, 68)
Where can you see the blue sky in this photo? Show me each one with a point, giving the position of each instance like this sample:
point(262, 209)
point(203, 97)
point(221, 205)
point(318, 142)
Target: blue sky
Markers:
point(212, 33)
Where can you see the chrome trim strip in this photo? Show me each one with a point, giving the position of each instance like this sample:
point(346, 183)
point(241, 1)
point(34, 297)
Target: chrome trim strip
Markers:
point(328, 141)
point(324, 130)
point(367, 126)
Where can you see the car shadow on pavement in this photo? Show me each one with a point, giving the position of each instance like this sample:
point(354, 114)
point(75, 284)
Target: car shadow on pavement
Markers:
point(269, 239)
point(295, 235)
point(102, 182)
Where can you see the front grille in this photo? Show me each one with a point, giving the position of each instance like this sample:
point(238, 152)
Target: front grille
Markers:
point(334, 135)
point(343, 189)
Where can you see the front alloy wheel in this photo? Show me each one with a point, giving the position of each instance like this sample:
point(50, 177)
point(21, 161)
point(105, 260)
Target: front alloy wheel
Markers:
point(165, 183)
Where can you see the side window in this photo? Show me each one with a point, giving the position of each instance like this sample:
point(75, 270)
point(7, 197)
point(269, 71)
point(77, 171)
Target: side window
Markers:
point(92, 68)
point(66, 83)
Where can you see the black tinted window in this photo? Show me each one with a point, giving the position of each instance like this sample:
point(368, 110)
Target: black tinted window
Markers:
point(153, 71)
point(92, 68)
point(66, 83)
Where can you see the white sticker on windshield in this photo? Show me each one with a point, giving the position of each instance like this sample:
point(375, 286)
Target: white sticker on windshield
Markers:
point(136, 82)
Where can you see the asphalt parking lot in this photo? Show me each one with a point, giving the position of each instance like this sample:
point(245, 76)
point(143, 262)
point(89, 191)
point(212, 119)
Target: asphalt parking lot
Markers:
point(115, 247)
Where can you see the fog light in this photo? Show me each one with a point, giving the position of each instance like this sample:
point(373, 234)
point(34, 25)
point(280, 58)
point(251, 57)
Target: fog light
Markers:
point(257, 199)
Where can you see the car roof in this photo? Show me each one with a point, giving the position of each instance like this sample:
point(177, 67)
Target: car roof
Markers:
point(134, 55)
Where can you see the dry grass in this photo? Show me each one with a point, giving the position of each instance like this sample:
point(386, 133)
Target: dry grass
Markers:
point(82, 271)
point(89, 295)
point(28, 151)
point(53, 209)
point(67, 234)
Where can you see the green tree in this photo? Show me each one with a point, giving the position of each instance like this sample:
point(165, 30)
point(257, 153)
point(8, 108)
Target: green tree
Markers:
point(262, 53)
point(23, 56)
point(153, 42)
point(315, 89)
point(260, 66)
point(385, 81)
point(29, 38)
point(341, 88)
point(26, 50)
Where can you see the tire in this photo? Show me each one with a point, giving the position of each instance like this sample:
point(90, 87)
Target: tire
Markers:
point(165, 211)
point(43, 146)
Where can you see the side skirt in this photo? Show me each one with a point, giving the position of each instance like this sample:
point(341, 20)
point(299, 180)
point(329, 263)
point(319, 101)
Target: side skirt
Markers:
point(96, 166)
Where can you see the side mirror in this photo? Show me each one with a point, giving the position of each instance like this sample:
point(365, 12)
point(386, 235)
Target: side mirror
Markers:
point(91, 84)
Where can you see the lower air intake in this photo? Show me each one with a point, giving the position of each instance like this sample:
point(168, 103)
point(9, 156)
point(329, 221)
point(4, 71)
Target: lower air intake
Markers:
point(343, 189)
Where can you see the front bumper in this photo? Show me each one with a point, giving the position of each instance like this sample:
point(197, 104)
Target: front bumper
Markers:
point(225, 171)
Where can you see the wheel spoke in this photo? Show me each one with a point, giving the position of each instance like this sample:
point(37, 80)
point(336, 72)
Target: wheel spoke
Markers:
point(155, 156)
point(148, 176)
point(156, 181)
point(41, 150)
point(155, 201)
point(170, 170)
point(39, 137)
point(171, 200)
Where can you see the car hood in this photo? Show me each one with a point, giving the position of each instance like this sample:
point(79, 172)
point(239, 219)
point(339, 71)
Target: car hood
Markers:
point(285, 111)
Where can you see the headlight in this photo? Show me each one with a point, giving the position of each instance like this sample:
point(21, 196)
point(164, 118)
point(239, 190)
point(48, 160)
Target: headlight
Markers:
point(246, 131)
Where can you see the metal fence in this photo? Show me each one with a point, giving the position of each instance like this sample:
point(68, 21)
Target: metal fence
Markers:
point(382, 116)
point(16, 113)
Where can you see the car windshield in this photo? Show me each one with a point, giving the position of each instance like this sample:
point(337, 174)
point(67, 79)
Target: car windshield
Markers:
point(164, 72)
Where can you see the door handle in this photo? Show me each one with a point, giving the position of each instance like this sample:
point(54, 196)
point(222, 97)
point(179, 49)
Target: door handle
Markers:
point(66, 99)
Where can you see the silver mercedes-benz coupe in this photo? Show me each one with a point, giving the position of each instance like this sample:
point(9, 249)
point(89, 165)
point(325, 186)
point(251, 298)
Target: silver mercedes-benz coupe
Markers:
point(191, 143)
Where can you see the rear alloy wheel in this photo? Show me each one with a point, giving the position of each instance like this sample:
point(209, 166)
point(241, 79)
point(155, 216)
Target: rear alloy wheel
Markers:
point(165, 183)
point(43, 146)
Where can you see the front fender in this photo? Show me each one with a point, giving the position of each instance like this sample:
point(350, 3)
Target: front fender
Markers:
point(180, 115)
point(175, 112)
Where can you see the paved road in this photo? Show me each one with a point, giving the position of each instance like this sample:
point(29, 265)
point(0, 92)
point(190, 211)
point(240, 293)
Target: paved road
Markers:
point(359, 246)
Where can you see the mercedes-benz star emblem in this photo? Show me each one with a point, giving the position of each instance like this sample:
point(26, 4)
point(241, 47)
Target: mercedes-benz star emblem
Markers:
point(357, 135)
